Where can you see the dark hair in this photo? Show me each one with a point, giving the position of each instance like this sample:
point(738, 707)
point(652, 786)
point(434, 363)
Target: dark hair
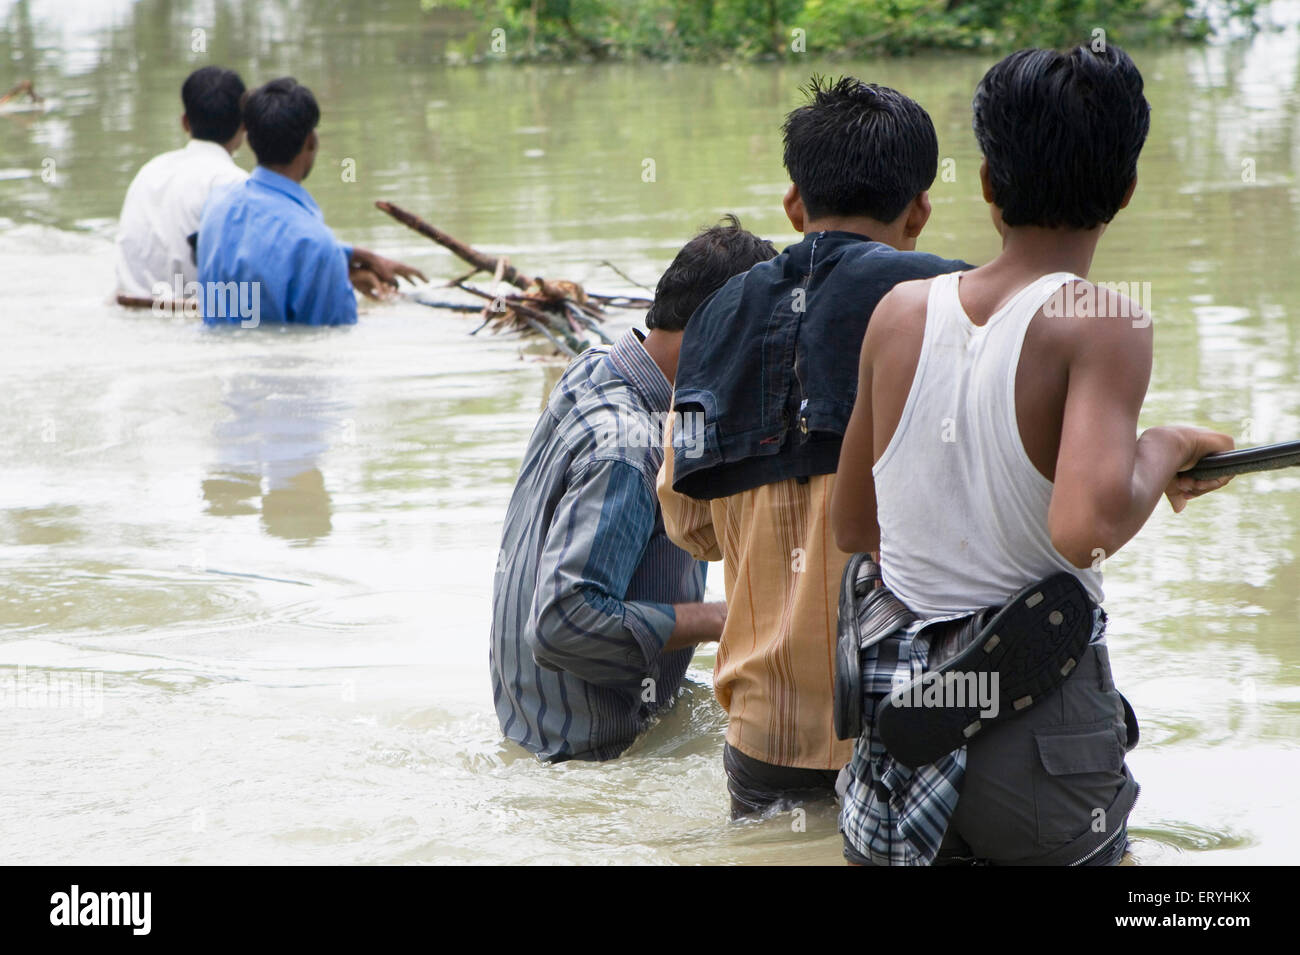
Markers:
point(279, 116)
point(1061, 133)
point(211, 96)
point(859, 149)
point(701, 268)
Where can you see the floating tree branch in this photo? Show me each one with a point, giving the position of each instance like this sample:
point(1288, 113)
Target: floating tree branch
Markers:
point(481, 262)
point(557, 309)
point(18, 90)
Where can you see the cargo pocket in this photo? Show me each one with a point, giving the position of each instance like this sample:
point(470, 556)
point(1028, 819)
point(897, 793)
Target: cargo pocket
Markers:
point(1081, 771)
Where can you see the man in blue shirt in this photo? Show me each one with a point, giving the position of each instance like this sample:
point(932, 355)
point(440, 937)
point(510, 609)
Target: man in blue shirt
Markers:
point(264, 251)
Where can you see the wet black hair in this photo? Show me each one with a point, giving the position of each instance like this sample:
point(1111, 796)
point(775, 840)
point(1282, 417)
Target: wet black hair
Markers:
point(211, 97)
point(279, 116)
point(1061, 133)
point(858, 149)
point(701, 268)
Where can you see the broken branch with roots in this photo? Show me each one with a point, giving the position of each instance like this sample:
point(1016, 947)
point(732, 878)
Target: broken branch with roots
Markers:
point(561, 311)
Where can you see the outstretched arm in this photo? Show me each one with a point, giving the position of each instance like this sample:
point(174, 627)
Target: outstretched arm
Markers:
point(386, 270)
point(1107, 483)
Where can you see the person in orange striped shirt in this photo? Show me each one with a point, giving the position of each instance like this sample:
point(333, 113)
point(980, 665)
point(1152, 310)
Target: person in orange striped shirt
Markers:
point(765, 385)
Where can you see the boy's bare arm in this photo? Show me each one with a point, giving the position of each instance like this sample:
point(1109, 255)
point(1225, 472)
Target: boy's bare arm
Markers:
point(1107, 483)
point(853, 500)
point(891, 351)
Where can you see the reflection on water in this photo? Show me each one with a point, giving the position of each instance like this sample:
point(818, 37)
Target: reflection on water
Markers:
point(269, 448)
point(277, 548)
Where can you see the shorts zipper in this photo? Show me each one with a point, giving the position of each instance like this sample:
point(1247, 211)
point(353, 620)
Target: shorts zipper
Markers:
point(1137, 792)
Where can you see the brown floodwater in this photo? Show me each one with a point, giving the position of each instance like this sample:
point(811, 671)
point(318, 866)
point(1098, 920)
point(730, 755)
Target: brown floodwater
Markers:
point(259, 562)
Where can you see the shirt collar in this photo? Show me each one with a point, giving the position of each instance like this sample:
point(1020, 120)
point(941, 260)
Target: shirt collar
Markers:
point(843, 234)
point(208, 147)
point(635, 364)
point(829, 238)
point(278, 183)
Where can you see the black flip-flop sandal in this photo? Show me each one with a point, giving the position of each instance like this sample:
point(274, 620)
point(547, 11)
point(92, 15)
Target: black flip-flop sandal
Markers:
point(868, 613)
point(1033, 644)
point(848, 662)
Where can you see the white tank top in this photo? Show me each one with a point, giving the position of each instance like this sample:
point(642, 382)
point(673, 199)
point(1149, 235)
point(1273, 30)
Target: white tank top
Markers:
point(962, 509)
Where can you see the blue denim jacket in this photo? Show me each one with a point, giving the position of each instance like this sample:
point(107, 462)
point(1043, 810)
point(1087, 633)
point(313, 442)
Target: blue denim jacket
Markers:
point(769, 364)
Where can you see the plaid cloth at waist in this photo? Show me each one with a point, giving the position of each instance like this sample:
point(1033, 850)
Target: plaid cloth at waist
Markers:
point(890, 813)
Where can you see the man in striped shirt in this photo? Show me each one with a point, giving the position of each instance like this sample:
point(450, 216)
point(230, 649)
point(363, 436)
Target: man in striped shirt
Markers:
point(595, 612)
point(767, 378)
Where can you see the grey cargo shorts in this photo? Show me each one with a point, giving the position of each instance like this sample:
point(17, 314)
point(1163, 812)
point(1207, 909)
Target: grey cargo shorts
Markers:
point(1049, 786)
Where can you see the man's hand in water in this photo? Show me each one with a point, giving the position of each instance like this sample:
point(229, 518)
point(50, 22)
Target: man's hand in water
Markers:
point(368, 284)
point(696, 623)
point(1199, 442)
point(387, 270)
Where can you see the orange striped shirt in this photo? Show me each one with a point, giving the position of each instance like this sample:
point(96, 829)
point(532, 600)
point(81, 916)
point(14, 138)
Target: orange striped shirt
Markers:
point(776, 660)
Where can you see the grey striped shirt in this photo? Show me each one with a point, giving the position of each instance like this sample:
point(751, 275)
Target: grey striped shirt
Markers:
point(586, 576)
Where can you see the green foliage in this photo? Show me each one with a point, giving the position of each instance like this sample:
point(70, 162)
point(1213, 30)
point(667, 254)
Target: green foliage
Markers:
point(747, 29)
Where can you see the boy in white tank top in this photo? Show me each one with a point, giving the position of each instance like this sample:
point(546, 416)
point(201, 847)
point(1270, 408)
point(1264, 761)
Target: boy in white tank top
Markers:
point(991, 446)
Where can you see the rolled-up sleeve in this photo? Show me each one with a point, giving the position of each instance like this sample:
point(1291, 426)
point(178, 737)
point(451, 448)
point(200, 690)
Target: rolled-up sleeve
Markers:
point(581, 622)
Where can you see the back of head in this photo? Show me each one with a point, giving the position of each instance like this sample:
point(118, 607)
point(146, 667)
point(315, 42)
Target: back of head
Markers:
point(211, 96)
point(857, 149)
point(1061, 133)
point(279, 116)
point(701, 268)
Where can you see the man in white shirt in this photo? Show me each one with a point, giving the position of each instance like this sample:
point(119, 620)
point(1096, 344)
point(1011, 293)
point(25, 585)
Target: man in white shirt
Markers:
point(155, 259)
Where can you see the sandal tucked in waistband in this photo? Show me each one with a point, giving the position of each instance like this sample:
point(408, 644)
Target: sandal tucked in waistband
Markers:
point(847, 707)
point(868, 613)
point(1024, 652)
